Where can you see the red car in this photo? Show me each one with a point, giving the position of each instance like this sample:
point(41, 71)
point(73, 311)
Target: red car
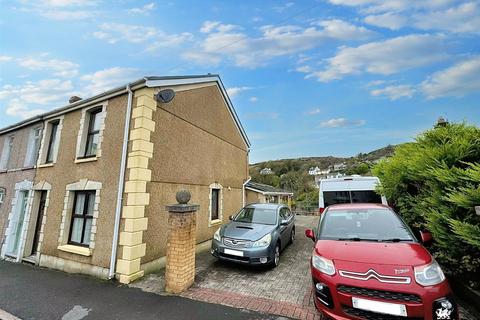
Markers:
point(367, 264)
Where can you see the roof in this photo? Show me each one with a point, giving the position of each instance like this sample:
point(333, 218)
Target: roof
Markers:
point(342, 206)
point(148, 81)
point(266, 189)
point(266, 205)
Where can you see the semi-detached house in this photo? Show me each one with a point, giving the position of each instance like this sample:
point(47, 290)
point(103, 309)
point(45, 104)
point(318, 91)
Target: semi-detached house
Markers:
point(83, 188)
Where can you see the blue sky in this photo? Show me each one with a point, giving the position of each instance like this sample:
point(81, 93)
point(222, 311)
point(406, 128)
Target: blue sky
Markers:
point(307, 78)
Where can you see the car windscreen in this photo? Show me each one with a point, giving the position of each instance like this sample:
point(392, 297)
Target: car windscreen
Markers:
point(257, 215)
point(364, 225)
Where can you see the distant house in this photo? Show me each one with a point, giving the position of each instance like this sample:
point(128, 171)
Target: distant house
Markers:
point(314, 171)
point(339, 166)
point(264, 193)
point(266, 171)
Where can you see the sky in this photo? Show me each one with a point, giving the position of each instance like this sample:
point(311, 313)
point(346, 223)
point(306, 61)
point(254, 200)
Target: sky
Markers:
point(307, 78)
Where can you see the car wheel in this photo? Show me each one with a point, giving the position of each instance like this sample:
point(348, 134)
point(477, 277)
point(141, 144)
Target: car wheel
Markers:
point(292, 236)
point(276, 257)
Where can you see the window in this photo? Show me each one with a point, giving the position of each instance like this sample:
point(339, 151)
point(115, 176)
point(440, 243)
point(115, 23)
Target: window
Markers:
point(52, 141)
point(2, 195)
point(82, 217)
point(361, 196)
point(6, 152)
point(93, 133)
point(215, 204)
point(33, 145)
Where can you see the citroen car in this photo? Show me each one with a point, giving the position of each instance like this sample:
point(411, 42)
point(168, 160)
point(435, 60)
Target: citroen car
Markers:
point(256, 235)
point(367, 264)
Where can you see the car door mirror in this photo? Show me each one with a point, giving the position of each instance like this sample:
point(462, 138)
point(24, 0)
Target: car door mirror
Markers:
point(284, 222)
point(426, 237)
point(231, 217)
point(310, 234)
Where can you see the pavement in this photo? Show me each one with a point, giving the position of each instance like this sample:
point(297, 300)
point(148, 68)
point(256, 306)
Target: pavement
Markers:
point(29, 292)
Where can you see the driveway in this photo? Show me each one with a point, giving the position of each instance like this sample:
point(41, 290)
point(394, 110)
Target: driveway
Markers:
point(285, 290)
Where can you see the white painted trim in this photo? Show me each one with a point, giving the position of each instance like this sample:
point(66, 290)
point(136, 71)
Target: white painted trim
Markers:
point(270, 193)
point(220, 205)
point(42, 186)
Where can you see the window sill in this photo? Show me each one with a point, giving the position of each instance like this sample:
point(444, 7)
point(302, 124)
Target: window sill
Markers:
point(46, 165)
point(76, 249)
point(215, 222)
point(89, 159)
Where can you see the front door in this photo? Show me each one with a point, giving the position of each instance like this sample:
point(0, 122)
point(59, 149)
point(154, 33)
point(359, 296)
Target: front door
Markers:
point(38, 223)
point(16, 224)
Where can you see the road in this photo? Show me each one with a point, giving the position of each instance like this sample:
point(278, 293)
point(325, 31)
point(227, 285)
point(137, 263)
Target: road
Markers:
point(34, 293)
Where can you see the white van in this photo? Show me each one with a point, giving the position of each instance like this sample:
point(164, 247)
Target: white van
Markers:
point(349, 189)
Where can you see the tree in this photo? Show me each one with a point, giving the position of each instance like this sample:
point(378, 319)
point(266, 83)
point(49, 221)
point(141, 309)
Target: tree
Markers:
point(434, 183)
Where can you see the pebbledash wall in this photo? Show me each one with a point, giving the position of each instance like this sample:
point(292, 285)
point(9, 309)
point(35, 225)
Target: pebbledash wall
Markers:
point(194, 142)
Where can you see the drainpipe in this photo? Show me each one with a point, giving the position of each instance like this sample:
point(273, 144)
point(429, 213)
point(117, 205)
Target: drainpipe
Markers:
point(121, 180)
point(243, 190)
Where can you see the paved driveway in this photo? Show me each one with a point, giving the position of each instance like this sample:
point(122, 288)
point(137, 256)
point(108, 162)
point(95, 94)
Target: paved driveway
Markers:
point(285, 290)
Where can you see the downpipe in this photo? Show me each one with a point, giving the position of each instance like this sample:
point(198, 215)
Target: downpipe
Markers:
point(121, 180)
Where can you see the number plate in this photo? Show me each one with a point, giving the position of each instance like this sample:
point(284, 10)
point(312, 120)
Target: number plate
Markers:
point(234, 252)
point(380, 307)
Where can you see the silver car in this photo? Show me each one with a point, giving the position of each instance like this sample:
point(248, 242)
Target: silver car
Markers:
point(256, 235)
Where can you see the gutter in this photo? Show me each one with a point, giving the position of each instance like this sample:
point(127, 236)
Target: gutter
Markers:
point(243, 190)
point(121, 180)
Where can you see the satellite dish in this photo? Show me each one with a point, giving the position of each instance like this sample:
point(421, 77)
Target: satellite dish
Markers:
point(165, 96)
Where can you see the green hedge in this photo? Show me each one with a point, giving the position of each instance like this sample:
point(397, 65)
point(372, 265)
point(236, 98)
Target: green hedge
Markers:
point(434, 183)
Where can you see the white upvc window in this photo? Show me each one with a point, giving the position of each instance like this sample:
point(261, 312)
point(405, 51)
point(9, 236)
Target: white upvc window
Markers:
point(6, 152)
point(33, 146)
point(90, 134)
point(50, 141)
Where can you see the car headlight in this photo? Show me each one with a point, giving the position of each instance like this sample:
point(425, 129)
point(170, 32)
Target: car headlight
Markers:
point(429, 275)
point(263, 242)
point(216, 235)
point(323, 265)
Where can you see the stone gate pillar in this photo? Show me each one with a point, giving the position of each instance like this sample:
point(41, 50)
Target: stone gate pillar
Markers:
point(181, 241)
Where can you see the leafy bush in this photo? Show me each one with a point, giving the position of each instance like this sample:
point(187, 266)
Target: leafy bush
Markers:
point(434, 183)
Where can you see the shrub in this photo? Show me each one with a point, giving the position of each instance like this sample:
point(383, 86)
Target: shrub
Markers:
point(434, 183)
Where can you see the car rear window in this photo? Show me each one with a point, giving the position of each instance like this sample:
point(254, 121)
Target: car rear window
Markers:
point(361, 196)
point(363, 225)
point(257, 215)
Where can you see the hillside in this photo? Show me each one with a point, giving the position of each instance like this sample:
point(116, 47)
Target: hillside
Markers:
point(292, 174)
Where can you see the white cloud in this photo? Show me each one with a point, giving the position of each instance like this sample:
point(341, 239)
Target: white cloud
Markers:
point(229, 41)
point(61, 9)
point(394, 92)
point(60, 68)
point(115, 32)
point(387, 20)
point(462, 19)
point(146, 9)
point(31, 98)
point(284, 7)
point(313, 111)
point(461, 79)
point(253, 99)
point(5, 58)
point(234, 91)
point(107, 79)
point(376, 6)
point(384, 57)
point(342, 122)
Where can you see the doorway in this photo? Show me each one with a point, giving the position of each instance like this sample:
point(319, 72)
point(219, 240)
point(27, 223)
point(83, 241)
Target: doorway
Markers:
point(38, 221)
point(16, 224)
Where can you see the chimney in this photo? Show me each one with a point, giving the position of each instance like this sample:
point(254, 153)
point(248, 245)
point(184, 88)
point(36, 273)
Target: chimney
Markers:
point(441, 122)
point(74, 99)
